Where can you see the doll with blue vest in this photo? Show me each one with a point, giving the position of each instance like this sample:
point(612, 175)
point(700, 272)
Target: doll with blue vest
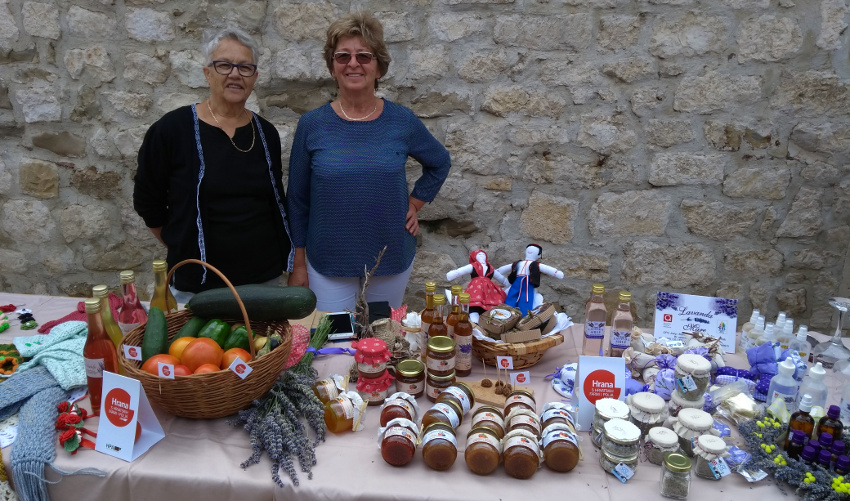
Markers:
point(524, 276)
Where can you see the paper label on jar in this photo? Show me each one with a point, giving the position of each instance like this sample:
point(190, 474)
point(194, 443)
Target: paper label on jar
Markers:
point(523, 419)
point(347, 406)
point(329, 387)
point(485, 438)
point(521, 441)
point(549, 414)
point(411, 388)
point(400, 402)
point(487, 416)
point(94, 367)
point(463, 355)
point(461, 396)
point(520, 398)
point(441, 434)
point(371, 368)
point(560, 435)
point(719, 468)
point(686, 383)
point(621, 339)
point(594, 330)
point(623, 472)
point(400, 431)
point(440, 365)
point(449, 413)
point(432, 391)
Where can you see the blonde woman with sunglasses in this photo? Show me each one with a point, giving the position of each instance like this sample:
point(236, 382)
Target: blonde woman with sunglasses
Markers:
point(348, 191)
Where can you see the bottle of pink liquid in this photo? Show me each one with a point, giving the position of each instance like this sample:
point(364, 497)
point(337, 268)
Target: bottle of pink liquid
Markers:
point(594, 322)
point(621, 326)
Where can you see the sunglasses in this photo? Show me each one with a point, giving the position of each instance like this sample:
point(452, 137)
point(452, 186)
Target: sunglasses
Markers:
point(345, 57)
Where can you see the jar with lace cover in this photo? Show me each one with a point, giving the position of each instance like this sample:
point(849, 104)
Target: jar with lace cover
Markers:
point(646, 410)
point(691, 423)
point(679, 402)
point(693, 375)
point(707, 449)
point(606, 409)
point(659, 442)
point(621, 439)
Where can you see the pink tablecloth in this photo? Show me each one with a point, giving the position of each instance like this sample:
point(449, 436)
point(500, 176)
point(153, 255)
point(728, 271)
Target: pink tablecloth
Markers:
point(200, 459)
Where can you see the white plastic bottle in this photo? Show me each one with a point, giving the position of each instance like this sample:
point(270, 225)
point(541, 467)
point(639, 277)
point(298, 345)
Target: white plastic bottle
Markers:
point(813, 385)
point(747, 327)
point(787, 335)
point(801, 344)
point(757, 332)
point(780, 322)
point(784, 386)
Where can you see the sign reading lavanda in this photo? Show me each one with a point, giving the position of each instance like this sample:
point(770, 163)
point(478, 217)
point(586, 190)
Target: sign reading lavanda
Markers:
point(716, 317)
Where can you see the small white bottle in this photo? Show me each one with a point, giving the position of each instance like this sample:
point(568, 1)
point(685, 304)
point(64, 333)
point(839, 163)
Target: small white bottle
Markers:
point(786, 335)
point(784, 386)
point(747, 327)
point(780, 322)
point(757, 332)
point(813, 385)
point(801, 344)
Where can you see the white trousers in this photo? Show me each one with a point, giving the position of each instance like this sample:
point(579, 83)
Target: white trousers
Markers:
point(340, 293)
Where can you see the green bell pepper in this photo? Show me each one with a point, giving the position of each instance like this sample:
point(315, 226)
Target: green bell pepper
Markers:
point(215, 329)
point(238, 338)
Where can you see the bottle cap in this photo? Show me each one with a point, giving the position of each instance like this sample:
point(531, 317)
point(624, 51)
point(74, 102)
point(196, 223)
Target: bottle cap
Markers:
point(768, 331)
point(824, 458)
point(99, 291)
point(834, 411)
point(92, 305)
point(787, 367)
point(439, 299)
point(838, 447)
point(463, 298)
point(806, 403)
point(127, 276)
point(754, 316)
point(759, 323)
point(598, 289)
point(803, 333)
point(817, 373)
point(780, 319)
point(798, 436)
point(788, 327)
point(842, 463)
point(825, 440)
point(430, 286)
point(159, 265)
point(625, 296)
point(808, 453)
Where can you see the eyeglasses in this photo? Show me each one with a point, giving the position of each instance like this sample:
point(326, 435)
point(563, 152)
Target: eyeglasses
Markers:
point(345, 57)
point(226, 67)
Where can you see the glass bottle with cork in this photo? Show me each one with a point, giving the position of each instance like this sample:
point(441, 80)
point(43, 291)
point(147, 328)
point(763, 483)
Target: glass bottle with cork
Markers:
point(98, 353)
point(132, 312)
point(463, 338)
point(595, 315)
point(451, 318)
point(162, 297)
point(438, 325)
point(101, 293)
point(621, 326)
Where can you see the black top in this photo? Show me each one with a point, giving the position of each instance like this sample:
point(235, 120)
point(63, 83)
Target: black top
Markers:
point(245, 232)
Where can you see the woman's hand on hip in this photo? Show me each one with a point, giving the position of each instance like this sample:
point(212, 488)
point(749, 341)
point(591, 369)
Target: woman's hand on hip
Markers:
point(298, 276)
point(411, 221)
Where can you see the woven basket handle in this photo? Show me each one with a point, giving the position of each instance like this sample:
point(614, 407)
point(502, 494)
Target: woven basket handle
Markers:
point(229, 286)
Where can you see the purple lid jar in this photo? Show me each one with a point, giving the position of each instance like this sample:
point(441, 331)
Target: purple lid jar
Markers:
point(824, 458)
point(808, 454)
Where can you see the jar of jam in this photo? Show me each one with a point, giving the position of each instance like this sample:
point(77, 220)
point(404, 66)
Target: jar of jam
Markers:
point(371, 356)
point(523, 419)
point(693, 375)
point(557, 412)
point(439, 446)
point(440, 359)
point(345, 412)
point(483, 450)
point(434, 385)
point(375, 390)
point(691, 423)
point(329, 388)
point(521, 454)
point(398, 441)
point(399, 405)
point(445, 412)
point(523, 399)
point(561, 451)
point(460, 393)
point(410, 377)
point(490, 417)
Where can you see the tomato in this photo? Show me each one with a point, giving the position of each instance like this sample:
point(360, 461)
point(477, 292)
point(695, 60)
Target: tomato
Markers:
point(200, 351)
point(232, 354)
point(177, 347)
point(152, 364)
point(182, 370)
point(206, 368)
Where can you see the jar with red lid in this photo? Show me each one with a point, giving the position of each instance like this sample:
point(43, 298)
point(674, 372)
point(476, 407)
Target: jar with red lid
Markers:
point(520, 398)
point(398, 441)
point(434, 385)
point(371, 356)
point(460, 393)
point(410, 377)
point(399, 405)
point(440, 358)
point(375, 390)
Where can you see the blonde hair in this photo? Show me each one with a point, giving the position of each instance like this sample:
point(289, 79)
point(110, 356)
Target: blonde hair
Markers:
point(365, 26)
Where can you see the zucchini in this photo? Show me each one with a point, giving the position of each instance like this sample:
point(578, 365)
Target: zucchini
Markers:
point(190, 328)
point(155, 340)
point(262, 302)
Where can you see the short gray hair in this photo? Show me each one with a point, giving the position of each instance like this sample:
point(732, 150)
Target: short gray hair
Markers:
point(233, 33)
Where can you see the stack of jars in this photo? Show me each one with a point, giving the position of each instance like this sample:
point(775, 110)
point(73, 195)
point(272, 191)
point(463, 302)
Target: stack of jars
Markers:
point(690, 424)
point(520, 446)
point(605, 410)
point(399, 433)
point(559, 437)
point(440, 365)
point(693, 376)
point(620, 444)
point(440, 422)
point(374, 380)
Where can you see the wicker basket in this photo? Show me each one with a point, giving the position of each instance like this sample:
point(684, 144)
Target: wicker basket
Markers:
point(214, 394)
point(525, 354)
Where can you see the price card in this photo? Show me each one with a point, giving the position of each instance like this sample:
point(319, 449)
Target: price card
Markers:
point(505, 362)
point(520, 378)
point(719, 467)
point(623, 472)
point(686, 383)
point(239, 367)
point(132, 352)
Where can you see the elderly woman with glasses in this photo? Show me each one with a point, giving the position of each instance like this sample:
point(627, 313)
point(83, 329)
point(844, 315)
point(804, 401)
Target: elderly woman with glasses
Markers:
point(209, 183)
point(348, 191)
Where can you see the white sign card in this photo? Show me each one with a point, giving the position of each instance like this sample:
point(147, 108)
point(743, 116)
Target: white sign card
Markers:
point(504, 362)
point(597, 377)
point(123, 406)
point(712, 316)
point(520, 378)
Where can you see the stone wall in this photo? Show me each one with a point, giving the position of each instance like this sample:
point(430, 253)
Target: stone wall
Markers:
point(693, 146)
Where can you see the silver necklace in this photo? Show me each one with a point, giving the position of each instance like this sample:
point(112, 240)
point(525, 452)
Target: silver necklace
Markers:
point(357, 119)
point(253, 133)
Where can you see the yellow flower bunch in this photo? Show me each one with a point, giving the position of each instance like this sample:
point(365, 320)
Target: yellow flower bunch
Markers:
point(809, 478)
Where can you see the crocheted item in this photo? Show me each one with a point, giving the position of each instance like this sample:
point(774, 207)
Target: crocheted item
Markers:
point(61, 352)
point(115, 302)
point(10, 359)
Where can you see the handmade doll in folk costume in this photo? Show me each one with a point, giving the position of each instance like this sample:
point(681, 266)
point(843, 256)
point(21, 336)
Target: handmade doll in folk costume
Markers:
point(524, 276)
point(483, 292)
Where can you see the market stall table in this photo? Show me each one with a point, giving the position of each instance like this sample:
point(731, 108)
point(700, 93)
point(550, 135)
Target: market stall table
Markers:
point(200, 459)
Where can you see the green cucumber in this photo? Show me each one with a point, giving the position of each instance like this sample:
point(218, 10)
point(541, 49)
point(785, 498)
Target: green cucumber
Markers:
point(262, 302)
point(155, 340)
point(190, 328)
